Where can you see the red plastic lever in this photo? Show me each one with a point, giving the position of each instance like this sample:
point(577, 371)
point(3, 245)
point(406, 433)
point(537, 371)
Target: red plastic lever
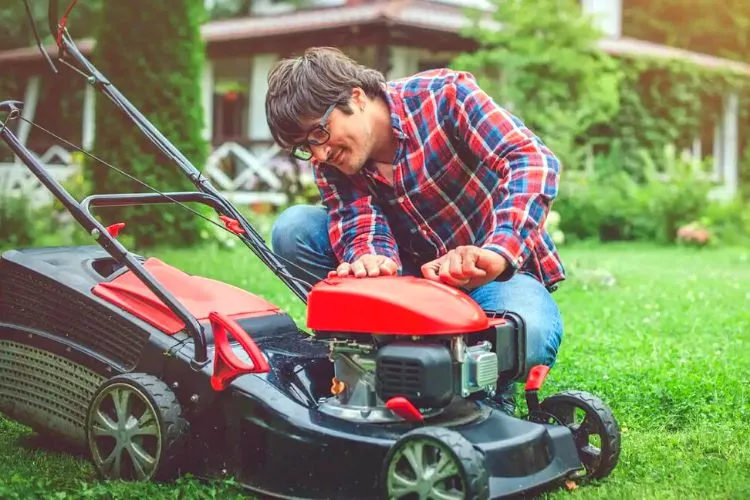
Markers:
point(232, 224)
point(536, 377)
point(404, 409)
point(114, 229)
point(227, 365)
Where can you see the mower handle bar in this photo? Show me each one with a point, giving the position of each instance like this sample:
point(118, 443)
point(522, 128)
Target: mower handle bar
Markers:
point(124, 200)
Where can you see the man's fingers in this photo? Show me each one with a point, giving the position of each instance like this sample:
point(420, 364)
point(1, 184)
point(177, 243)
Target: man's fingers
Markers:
point(372, 265)
point(445, 274)
point(430, 270)
point(469, 268)
point(344, 269)
point(456, 267)
point(358, 268)
point(388, 267)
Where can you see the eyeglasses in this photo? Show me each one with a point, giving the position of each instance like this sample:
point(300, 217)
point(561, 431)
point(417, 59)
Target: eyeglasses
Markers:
point(318, 136)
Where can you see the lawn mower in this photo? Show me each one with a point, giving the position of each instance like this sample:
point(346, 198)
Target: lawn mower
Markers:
point(156, 372)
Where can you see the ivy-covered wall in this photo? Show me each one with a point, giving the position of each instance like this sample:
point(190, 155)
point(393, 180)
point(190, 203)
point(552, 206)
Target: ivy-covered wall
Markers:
point(162, 78)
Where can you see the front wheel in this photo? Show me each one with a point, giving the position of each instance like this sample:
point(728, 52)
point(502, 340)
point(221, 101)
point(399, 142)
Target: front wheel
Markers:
point(434, 463)
point(593, 425)
point(135, 429)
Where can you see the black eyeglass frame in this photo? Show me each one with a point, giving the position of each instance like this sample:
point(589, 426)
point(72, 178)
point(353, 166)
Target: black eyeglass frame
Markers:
point(304, 155)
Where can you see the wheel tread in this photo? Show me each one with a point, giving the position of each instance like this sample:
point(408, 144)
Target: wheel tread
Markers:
point(612, 429)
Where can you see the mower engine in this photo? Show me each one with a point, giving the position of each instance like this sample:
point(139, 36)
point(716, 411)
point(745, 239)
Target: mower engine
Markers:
point(417, 357)
point(427, 374)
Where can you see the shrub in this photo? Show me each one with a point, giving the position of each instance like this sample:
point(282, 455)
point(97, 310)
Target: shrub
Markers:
point(158, 67)
point(610, 205)
point(18, 221)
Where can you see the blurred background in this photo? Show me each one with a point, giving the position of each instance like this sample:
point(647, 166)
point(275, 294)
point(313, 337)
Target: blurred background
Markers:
point(645, 101)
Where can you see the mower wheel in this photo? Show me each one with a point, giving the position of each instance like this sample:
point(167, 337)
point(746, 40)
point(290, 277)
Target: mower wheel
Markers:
point(594, 427)
point(434, 463)
point(135, 429)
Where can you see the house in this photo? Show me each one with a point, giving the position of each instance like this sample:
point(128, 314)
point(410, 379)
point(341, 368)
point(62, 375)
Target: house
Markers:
point(397, 36)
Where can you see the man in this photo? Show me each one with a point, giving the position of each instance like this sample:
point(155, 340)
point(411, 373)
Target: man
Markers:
point(423, 176)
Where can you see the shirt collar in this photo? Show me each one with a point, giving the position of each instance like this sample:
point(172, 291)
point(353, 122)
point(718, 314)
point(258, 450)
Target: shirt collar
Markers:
point(396, 106)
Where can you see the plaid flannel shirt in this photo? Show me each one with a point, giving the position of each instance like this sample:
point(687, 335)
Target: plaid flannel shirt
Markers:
point(466, 172)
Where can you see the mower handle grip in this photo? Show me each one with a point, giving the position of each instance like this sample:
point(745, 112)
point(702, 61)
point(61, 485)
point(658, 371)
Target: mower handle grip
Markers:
point(11, 106)
point(123, 200)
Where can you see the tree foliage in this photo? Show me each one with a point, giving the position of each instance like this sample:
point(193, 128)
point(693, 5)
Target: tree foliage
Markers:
point(16, 30)
point(153, 53)
point(707, 26)
point(545, 67)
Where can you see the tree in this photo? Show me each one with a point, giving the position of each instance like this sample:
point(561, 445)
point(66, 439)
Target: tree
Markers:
point(154, 54)
point(544, 65)
point(16, 30)
point(707, 26)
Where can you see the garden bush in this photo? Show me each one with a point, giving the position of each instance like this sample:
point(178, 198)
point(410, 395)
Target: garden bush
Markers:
point(608, 204)
point(162, 78)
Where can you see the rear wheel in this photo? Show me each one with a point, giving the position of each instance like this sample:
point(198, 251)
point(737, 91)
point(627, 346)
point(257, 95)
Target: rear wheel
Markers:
point(594, 427)
point(135, 429)
point(434, 463)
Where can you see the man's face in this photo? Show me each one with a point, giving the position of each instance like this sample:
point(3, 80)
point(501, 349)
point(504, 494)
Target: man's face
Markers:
point(339, 139)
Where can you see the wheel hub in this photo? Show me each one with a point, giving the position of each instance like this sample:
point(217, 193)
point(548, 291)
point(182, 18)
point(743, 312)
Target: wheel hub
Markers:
point(425, 469)
point(124, 436)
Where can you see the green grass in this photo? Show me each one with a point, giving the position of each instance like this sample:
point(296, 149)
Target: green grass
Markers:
point(667, 348)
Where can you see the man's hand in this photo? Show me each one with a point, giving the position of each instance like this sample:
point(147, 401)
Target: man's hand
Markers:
point(367, 265)
point(466, 266)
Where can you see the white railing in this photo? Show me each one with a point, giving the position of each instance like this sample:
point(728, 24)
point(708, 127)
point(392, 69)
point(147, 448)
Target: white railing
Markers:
point(245, 175)
point(17, 180)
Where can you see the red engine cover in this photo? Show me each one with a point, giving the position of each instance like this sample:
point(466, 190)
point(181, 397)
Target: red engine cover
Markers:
point(199, 295)
point(400, 305)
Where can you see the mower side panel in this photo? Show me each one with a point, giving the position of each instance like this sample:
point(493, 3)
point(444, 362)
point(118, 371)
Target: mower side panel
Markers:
point(47, 391)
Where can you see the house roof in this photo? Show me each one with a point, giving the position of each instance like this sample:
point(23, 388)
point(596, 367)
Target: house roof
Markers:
point(423, 16)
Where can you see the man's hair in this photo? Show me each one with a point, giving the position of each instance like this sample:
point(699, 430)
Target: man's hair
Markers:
point(302, 88)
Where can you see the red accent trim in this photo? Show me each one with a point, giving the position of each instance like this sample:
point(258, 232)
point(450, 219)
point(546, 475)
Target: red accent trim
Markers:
point(232, 224)
point(199, 295)
point(398, 305)
point(114, 229)
point(404, 409)
point(227, 366)
point(63, 23)
point(536, 377)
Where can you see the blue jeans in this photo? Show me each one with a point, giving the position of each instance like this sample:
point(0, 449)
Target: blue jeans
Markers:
point(300, 235)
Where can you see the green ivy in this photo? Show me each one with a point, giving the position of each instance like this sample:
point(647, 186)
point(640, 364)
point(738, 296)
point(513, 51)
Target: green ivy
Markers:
point(154, 54)
point(545, 67)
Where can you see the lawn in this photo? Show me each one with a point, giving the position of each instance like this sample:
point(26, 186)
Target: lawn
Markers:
point(667, 346)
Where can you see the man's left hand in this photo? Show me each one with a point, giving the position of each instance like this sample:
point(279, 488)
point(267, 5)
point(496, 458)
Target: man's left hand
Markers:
point(466, 266)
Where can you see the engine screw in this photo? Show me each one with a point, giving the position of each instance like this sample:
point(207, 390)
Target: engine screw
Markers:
point(194, 398)
point(175, 385)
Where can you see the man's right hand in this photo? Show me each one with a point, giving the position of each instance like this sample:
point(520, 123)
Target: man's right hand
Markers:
point(367, 265)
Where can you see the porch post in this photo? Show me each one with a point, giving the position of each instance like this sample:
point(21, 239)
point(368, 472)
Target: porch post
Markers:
point(730, 155)
point(403, 62)
point(89, 117)
point(207, 98)
point(256, 123)
point(30, 100)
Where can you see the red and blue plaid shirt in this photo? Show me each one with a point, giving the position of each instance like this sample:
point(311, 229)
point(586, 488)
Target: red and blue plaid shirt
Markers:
point(466, 172)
